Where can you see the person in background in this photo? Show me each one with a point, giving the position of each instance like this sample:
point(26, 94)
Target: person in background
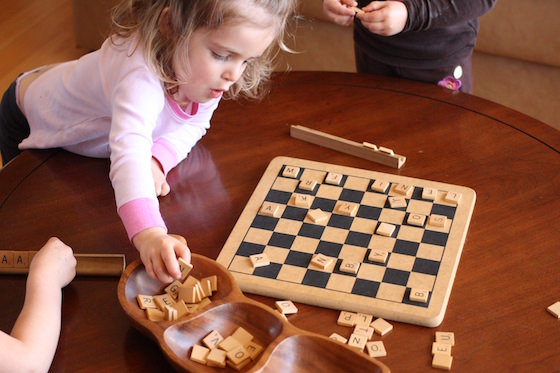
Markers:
point(430, 41)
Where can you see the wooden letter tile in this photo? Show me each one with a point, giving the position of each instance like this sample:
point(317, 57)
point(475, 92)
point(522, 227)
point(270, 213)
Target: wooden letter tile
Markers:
point(163, 300)
point(364, 330)
point(6, 259)
point(378, 256)
point(333, 178)
point(269, 209)
point(397, 202)
point(446, 337)
point(170, 313)
point(242, 335)
point(216, 358)
point(404, 189)
point(317, 216)
point(238, 355)
point(173, 289)
point(21, 259)
point(290, 171)
point(381, 326)
point(346, 318)
point(206, 286)
point(385, 150)
point(321, 261)
point(181, 308)
point(187, 293)
point(416, 219)
point(286, 307)
point(185, 268)
point(357, 341)
point(302, 200)
point(555, 309)
point(346, 208)
point(154, 314)
point(363, 319)
point(437, 220)
point(441, 348)
point(229, 343)
point(213, 280)
point(366, 144)
point(385, 229)
point(441, 361)
point(380, 186)
point(429, 193)
point(338, 338)
point(376, 349)
point(199, 354)
point(145, 301)
point(204, 302)
point(419, 295)
point(259, 260)
point(254, 349)
point(213, 339)
point(349, 266)
point(307, 184)
point(452, 197)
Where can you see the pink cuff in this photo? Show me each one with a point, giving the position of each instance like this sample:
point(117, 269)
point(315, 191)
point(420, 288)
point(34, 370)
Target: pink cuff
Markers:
point(140, 214)
point(163, 152)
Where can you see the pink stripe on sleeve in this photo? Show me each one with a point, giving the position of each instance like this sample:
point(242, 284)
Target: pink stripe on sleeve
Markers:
point(163, 152)
point(140, 214)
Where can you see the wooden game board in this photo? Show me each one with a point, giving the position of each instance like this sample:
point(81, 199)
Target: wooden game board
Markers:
point(414, 282)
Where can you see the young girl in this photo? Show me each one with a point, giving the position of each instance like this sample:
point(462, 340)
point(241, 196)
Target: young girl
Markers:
point(145, 98)
point(32, 343)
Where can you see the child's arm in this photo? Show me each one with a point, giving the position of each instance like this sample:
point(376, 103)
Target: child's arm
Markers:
point(32, 343)
point(420, 15)
point(173, 146)
point(160, 183)
point(159, 253)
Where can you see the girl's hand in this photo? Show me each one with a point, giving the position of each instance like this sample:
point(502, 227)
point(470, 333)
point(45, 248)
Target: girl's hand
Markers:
point(54, 263)
point(159, 252)
point(339, 11)
point(160, 184)
point(384, 17)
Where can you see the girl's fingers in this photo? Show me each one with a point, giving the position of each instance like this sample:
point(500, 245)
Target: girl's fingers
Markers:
point(164, 190)
point(183, 252)
point(171, 266)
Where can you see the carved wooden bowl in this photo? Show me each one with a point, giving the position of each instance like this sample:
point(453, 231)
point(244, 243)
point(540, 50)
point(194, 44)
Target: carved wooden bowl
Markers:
point(286, 347)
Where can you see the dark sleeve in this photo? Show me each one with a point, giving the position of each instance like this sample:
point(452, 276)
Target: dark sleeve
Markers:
point(429, 14)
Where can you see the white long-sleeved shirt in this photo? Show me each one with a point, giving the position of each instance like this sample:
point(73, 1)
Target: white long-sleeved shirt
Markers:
point(110, 104)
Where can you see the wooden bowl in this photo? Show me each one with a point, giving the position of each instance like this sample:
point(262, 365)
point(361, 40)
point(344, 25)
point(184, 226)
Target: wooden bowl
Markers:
point(286, 347)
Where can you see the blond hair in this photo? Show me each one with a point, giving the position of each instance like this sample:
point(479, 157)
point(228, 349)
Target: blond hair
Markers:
point(141, 18)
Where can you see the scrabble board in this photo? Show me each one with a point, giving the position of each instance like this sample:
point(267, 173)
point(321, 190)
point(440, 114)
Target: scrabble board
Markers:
point(351, 239)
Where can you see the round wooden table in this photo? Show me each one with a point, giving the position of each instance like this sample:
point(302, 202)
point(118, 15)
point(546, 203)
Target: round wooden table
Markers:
point(507, 276)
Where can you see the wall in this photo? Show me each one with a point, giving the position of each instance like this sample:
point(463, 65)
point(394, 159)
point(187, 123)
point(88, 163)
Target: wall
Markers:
point(516, 61)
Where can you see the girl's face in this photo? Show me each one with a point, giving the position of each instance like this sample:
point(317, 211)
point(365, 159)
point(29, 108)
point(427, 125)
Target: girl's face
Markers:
point(217, 58)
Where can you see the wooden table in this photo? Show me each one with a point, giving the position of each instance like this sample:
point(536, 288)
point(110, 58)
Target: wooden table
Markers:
point(510, 267)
